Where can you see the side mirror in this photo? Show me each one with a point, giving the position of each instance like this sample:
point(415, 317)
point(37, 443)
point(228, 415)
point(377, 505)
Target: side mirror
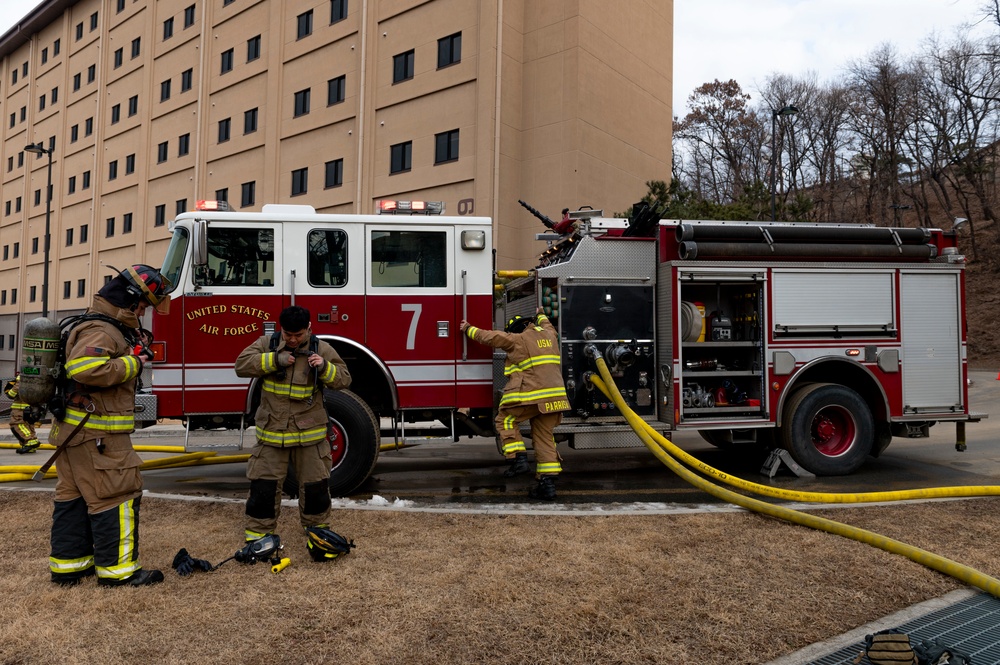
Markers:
point(200, 232)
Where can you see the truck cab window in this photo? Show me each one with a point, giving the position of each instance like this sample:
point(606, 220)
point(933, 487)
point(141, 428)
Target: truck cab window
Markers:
point(238, 257)
point(174, 260)
point(409, 258)
point(327, 257)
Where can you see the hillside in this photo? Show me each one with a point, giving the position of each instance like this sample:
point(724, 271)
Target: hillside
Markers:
point(983, 310)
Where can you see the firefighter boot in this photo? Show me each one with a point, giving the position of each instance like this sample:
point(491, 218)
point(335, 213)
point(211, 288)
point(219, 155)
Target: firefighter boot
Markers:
point(518, 466)
point(140, 578)
point(545, 490)
point(28, 447)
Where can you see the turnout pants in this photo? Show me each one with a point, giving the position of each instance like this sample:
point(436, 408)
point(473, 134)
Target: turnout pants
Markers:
point(95, 520)
point(267, 469)
point(508, 422)
point(23, 431)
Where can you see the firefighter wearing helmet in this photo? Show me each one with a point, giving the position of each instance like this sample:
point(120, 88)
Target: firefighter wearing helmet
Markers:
point(534, 392)
point(95, 522)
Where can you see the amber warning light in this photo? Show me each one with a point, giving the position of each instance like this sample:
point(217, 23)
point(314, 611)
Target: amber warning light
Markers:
point(159, 350)
point(853, 352)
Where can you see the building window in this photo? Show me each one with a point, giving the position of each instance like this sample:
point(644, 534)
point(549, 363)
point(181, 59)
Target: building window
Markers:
point(84, 233)
point(165, 90)
point(247, 194)
point(334, 173)
point(402, 66)
point(446, 147)
point(20, 159)
point(85, 180)
point(127, 223)
point(34, 245)
point(79, 31)
point(226, 3)
point(168, 28)
point(6, 252)
point(93, 21)
point(119, 57)
point(189, 16)
point(69, 237)
point(24, 113)
point(222, 194)
point(113, 170)
point(302, 102)
point(17, 204)
point(109, 227)
point(250, 121)
point(187, 77)
point(136, 47)
point(300, 181)
point(180, 206)
point(17, 249)
point(227, 61)
point(81, 288)
point(91, 73)
point(116, 113)
point(31, 293)
point(13, 292)
point(338, 10)
point(183, 144)
point(45, 58)
point(133, 105)
point(224, 127)
point(55, 95)
point(3, 301)
point(55, 48)
point(13, 75)
point(160, 216)
point(400, 155)
point(130, 164)
point(253, 48)
point(41, 103)
point(67, 289)
point(76, 82)
point(88, 126)
point(335, 90)
point(38, 197)
point(161, 153)
point(304, 24)
point(71, 185)
point(120, 6)
point(24, 69)
point(449, 50)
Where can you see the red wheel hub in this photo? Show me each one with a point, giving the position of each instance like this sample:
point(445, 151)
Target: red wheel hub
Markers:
point(833, 431)
point(338, 443)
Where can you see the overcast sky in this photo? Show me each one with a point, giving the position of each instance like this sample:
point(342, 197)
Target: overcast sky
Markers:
point(748, 40)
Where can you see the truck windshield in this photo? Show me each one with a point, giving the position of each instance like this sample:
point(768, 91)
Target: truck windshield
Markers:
point(173, 262)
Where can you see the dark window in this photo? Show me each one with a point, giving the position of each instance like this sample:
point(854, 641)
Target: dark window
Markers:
point(402, 67)
point(85, 180)
point(227, 2)
point(227, 61)
point(180, 206)
point(113, 170)
point(24, 113)
point(136, 47)
point(45, 58)
point(127, 223)
point(224, 126)
point(446, 147)
point(248, 194)
point(24, 69)
point(222, 194)
point(183, 144)
point(10, 163)
point(187, 77)
point(91, 73)
point(449, 50)
point(13, 75)
point(335, 90)
point(69, 238)
point(79, 31)
point(52, 143)
point(71, 185)
point(168, 28)
point(31, 293)
point(129, 164)
point(327, 257)
point(88, 126)
point(119, 57)
point(67, 289)
point(116, 113)
point(253, 48)
point(17, 251)
point(55, 95)
point(300, 181)
point(250, 121)
point(109, 227)
point(165, 90)
point(421, 257)
point(13, 292)
point(38, 197)
point(338, 10)
point(400, 155)
point(17, 204)
point(302, 102)
point(84, 232)
point(6, 208)
point(76, 82)
point(34, 245)
point(334, 173)
point(74, 133)
point(3, 301)
point(93, 21)
point(120, 6)
point(133, 105)
point(160, 216)
point(13, 119)
point(6, 253)
point(161, 152)
point(81, 288)
point(238, 257)
point(41, 103)
point(55, 48)
point(189, 16)
point(304, 25)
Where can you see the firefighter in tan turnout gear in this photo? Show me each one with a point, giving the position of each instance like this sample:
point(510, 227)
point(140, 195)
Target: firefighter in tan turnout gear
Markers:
point(534, 391)
point(23, 429)
point(95, 522)
point(292, 428)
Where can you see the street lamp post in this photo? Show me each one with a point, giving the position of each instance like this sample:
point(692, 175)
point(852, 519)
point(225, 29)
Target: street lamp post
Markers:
point(788, 110)
point(39, 149)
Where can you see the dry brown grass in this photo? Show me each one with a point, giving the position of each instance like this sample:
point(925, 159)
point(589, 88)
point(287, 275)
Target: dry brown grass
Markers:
point(441, 588)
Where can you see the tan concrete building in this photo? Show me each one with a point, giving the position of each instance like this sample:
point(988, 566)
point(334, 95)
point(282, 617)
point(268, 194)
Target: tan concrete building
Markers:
point(150, 105)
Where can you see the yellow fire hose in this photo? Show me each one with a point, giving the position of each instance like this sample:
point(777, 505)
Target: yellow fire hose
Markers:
point(933, 561)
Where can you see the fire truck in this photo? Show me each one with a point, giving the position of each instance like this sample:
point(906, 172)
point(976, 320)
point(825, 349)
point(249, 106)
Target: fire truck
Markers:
point(822, 340)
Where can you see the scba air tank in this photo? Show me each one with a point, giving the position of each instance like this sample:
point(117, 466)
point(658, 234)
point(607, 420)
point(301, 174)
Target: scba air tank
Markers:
point(39, 352)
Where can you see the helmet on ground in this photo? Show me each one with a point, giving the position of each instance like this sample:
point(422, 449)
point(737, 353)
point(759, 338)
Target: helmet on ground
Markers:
point(518, 324)
point(324, 544)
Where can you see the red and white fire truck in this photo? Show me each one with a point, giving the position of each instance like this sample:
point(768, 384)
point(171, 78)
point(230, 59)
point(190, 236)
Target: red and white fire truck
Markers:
point(823, 340)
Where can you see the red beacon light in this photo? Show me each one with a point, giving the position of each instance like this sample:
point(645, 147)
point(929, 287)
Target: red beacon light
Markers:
point(211, 205)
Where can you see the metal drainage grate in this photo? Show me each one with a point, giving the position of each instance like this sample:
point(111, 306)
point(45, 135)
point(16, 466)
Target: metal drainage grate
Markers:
point(971, 626)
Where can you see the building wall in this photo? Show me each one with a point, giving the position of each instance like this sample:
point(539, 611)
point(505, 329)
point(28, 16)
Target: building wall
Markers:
point(562, 103)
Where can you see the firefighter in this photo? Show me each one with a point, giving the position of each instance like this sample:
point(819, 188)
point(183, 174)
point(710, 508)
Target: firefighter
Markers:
point(292, 428)
point(23, 430)
point(534, 391)
point(95, 523)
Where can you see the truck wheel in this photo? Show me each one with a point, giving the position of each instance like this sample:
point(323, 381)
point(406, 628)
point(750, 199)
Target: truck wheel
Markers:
point(828, 429)
point(354, 438)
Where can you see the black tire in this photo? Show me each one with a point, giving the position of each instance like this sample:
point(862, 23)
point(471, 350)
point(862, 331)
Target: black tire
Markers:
point(354, 439)
point(828, 429)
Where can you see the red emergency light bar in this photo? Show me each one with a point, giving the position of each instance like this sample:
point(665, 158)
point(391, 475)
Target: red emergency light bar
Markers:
point(217, 206)
point(390, 207)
